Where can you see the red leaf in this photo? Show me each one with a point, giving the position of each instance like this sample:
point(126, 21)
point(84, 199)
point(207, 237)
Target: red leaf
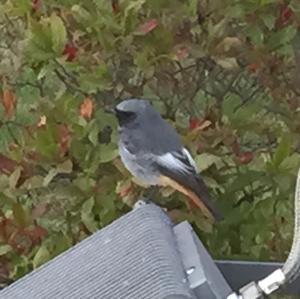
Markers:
point(35, 233)
point(235, 146)
point(285, 14)
point(39, 210)
point(86, 108)
point(245, 157)
point(32, 155)
point(70, 51)
point(4, 223)
point(148, 26)
point(7, 165)
point(64, 138)
point(194, 123)
point(4, 270)
point(125, 189)
point(253, 67)
point(181, 52)
point(13, 146)
point(115, 6)
point(35, 5)
point(8, 100)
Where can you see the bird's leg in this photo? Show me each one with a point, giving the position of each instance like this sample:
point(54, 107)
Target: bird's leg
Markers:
point(150, 194)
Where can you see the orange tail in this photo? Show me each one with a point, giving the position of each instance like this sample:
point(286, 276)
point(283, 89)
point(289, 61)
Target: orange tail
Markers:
point(195, 189)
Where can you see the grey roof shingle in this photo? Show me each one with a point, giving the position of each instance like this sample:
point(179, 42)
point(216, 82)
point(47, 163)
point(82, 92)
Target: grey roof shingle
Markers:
point(139, 256)
point(134, 257)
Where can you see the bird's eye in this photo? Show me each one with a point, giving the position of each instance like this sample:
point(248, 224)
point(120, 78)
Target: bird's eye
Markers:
point(125, 117)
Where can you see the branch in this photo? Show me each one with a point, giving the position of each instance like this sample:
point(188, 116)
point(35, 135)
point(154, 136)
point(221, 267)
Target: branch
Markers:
point(68, 85)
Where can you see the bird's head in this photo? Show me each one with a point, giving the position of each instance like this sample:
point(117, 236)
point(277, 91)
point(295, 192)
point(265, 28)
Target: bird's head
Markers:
point(127, 111)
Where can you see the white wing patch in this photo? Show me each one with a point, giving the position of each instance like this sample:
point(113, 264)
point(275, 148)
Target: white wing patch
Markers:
point(191, 160)
point(171, 161)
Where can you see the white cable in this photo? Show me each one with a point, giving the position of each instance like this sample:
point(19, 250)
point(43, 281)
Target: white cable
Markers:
point(291, 267)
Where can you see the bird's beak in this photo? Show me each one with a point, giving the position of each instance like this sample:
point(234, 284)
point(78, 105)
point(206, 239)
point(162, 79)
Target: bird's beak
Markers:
point(117, 112)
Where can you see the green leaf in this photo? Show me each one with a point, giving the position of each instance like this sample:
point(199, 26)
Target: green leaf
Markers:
point(229, 104)
point(108, 152)
point(182, 119)
point(59, 34)
point(133, 7)
point(106, 208)
point(33, 182)
point(284, 182)
point(256, 34)
point(228, 63)
point(49, 177)
point(42, 256)
point(45, 142)
point(243, 180)
point(40, 42)
point(20, 265)
point(291, 162)
point(81, 14)
point(282, 37)
point(21, 7)
point(84, 183)
point(21, 215)
point(61, 243)
point(205, 160)
point(217, 30)
point(282, 150)
point(269, 21)
point(87, 215)
point(4, 249)
point(93, 134)
point(65, 167)
point(14, 177)
point(295, 5)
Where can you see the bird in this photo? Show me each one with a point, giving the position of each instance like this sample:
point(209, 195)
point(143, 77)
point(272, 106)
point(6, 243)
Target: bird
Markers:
point(151, 150)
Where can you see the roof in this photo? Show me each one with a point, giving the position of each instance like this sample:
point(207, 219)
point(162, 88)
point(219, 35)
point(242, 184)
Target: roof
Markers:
point(140, 255)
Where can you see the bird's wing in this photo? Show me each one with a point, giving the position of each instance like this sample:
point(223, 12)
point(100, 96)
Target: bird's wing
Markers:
point(178, 169)
point(178, 161)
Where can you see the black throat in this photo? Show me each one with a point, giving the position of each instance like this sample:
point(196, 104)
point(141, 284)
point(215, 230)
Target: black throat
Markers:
point(125, 117)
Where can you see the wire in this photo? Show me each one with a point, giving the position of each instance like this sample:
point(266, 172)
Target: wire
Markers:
point(291, 267)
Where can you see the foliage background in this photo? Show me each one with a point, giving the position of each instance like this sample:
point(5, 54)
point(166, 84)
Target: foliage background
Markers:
point(224, 73)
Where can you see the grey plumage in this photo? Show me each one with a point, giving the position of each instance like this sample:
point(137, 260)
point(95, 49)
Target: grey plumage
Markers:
point(146, 131)
point(150, 148)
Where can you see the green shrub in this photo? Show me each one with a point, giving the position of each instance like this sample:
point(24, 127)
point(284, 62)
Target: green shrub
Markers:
point(224, 73)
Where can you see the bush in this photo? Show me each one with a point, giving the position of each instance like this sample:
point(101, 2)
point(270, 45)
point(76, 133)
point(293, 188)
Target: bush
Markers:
point(224, 73)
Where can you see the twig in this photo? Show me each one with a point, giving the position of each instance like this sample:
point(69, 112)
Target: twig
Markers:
point(69, 85)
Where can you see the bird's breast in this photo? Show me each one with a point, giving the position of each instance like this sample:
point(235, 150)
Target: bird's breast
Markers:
point(139, 165)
